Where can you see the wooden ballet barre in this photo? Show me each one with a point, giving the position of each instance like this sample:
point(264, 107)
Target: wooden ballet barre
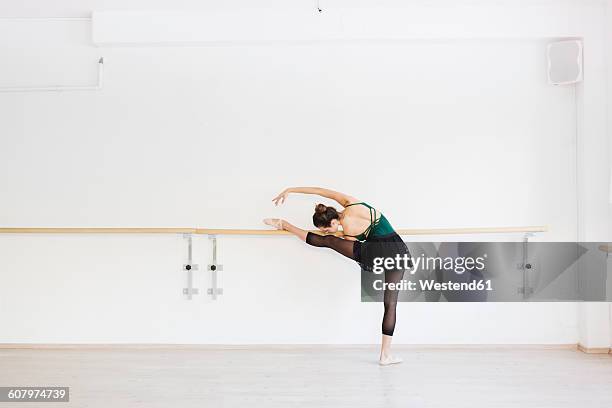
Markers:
point(37, 230)
point(222, 231)
point(475, 230)
point(606, 248)
point(431, 231)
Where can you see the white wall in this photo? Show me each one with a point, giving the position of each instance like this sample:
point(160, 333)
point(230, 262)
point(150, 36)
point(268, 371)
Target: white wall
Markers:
point(608, 42)
point(595, 319)
point(436, 133)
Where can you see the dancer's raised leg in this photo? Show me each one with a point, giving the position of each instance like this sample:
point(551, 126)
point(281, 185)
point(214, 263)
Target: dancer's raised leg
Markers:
point(342, 246)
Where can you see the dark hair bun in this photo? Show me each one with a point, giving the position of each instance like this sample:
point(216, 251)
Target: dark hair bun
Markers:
point(320, 208)
point(324, 215)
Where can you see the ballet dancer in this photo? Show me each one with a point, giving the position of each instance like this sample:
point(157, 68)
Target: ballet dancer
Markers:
point(366, 234)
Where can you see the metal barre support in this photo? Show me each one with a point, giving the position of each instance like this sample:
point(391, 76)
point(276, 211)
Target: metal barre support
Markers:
point(190, 267)
point(525, 266)
point(214, 290)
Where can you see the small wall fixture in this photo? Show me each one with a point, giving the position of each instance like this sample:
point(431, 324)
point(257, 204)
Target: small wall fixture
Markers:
point(564, 62)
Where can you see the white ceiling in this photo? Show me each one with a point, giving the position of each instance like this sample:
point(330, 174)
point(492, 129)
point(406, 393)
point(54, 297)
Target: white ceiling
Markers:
point(83, 8)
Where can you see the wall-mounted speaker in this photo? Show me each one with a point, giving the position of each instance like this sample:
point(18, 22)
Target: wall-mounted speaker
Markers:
point(565, 62)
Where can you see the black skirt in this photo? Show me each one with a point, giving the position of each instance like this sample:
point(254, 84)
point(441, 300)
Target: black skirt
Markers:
point(386, 246)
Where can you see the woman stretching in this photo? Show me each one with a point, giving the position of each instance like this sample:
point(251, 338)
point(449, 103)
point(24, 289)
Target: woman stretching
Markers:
point(366, 234)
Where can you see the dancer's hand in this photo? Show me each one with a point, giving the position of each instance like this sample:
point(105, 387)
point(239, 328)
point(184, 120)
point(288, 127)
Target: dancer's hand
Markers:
point(280, 199)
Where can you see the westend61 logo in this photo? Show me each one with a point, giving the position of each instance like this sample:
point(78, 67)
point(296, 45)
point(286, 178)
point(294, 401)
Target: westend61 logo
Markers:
point(403, 262)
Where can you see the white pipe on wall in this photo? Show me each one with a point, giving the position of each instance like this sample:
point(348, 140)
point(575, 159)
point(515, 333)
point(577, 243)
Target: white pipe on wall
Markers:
point(96, 87)
point(43, 19)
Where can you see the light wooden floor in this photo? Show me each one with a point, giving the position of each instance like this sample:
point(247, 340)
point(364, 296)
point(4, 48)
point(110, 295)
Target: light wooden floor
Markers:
point(313, 377)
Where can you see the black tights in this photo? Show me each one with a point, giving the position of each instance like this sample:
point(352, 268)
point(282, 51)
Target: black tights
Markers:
point(346, 248)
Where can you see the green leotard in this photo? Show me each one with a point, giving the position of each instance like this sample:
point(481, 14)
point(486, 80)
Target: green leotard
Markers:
point(377, 228)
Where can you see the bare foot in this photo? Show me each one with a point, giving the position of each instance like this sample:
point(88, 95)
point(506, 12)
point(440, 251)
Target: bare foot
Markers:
point(389, 360)
point(274, 222)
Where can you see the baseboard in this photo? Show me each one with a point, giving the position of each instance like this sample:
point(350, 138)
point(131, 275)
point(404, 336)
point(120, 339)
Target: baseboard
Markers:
point(594, 350)
point(144, 346)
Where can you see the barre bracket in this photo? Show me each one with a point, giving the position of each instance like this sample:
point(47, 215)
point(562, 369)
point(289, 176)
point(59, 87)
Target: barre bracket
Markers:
point(214, 267)
point(189, 267)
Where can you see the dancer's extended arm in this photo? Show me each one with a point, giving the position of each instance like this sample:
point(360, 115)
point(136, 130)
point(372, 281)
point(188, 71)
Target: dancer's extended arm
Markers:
point(340, 198)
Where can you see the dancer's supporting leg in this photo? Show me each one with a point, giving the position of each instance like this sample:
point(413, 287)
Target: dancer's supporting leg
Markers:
point(388, 323)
